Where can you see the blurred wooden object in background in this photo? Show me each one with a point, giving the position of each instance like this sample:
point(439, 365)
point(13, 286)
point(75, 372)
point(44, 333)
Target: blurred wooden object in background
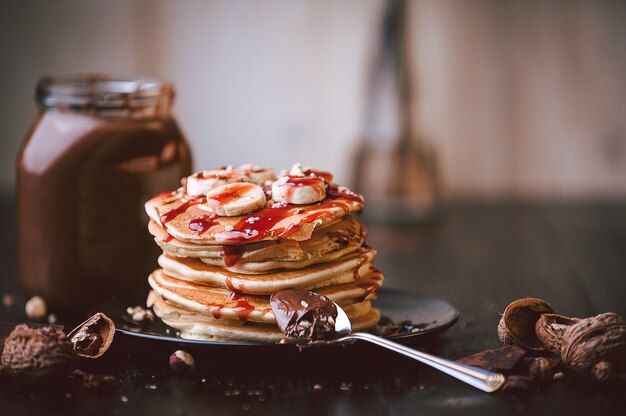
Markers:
point(393, 169)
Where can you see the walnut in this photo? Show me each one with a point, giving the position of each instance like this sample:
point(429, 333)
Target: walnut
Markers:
point(33, 354)
point(550, 329)
point(92, 338)
point(517, 325)
point(596, 346)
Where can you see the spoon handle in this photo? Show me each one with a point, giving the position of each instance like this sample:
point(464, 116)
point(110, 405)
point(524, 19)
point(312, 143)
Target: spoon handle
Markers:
point(484, 380)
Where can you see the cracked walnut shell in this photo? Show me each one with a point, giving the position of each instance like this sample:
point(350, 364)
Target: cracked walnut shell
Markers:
point(596, 346)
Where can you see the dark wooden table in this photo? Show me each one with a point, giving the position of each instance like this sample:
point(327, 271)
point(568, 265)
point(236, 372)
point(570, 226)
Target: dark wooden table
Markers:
point(479, 257)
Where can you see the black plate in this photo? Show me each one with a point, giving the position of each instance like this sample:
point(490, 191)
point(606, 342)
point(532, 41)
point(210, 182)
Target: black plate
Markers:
point(426, 315)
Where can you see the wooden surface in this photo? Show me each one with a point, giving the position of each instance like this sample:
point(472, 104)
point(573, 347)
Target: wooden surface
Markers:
point(478, 257)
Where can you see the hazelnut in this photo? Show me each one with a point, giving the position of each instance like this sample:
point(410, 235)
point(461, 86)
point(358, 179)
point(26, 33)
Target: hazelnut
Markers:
point(181, 362)
point(540, 369)
point(602, 371)
point(517, 325)
point(36, 308)
point(517, 385)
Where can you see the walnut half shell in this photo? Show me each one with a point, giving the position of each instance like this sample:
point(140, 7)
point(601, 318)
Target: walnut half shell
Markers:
point(596, 346)
point(92, 338)
point(550, 329)
point(517, 325)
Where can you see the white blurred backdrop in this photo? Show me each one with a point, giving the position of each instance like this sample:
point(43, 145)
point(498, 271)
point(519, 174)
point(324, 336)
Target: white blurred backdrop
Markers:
point(518, 98)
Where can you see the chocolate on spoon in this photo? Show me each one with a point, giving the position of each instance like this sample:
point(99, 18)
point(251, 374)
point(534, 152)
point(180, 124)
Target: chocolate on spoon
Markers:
point(308, 315)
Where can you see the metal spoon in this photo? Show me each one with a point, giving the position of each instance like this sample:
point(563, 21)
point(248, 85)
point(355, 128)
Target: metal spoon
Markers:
point(484, 380)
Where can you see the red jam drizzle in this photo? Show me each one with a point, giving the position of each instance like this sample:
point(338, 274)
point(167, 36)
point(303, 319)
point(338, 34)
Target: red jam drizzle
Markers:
point(216, 311)
point(229, 284)
point(327, 176)
point(369, 286)
point(232, 192)
point(295, 181)
point(231, 255)
point(260, 224)
point(360, 261)
point(168, 238)
point(293, 227)
point(243, 309)
point(234, 295)
point(200, 225)
point(171, 214)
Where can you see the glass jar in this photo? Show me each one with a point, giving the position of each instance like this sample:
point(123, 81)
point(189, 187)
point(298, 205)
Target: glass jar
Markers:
point(99, 148)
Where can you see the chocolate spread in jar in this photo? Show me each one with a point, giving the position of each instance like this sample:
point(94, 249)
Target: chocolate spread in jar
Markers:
point(98, 149)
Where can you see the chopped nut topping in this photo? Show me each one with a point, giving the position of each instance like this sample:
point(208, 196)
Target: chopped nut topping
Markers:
point(139, 314)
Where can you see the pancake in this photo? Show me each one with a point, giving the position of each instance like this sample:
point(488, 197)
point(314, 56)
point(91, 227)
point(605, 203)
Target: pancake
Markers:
point(190, 219)
point(345, 270)
point(198, 327)
point(329, 243)
point(219, 303)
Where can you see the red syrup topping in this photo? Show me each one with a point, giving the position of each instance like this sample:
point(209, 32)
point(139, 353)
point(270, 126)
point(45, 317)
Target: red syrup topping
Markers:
point(360, 261)
point(234, 295)
point(369, 286)
point(171, 214)
point(294, 181)
point(231, 192)
point(168, 238)
point(200, 225)
point(327, 176)
point(231, 255)
point(243, 309)
point(229, 284)
point(292, 228)
point(259, 225)
point(216, 311)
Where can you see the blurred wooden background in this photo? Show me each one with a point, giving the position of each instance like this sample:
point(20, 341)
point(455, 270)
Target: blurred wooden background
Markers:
point(519, 98)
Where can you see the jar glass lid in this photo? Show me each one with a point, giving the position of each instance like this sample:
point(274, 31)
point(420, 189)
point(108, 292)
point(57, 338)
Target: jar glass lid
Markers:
point(103, 92)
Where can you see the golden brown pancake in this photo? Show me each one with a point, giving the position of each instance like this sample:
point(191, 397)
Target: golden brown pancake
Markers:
point(326, 244)
point(202, 327)
point(345, 270)
point(222, 303)
point(191, 220)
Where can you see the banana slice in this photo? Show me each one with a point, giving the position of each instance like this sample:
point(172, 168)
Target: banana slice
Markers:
point(202, 182)
point(235, 199)
point(257, 174)
point(299, 190)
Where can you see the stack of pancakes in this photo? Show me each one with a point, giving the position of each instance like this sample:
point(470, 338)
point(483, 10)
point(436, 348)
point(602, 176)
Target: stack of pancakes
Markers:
point(217, 273)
